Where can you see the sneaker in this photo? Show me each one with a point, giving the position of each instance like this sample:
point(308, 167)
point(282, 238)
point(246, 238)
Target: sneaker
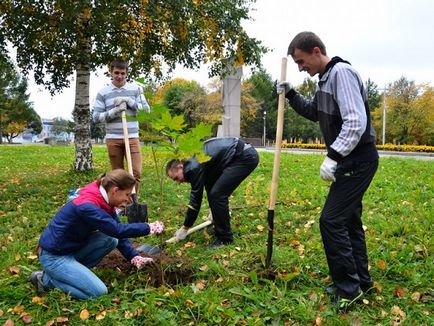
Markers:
point(36, 280)
point(344, 304)
point(218, 244)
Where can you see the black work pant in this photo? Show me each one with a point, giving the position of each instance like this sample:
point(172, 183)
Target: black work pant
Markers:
point(341, 227)
point(219, 187)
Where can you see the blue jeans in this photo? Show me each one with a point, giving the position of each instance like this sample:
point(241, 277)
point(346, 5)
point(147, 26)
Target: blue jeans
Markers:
point(71, 273)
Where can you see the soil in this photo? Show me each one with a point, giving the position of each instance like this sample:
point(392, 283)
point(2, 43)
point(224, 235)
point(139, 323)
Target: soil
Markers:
point(166, 270)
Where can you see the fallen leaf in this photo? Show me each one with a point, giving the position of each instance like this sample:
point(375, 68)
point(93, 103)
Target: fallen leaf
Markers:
point(399, 292)
point(399, 315)
point(260, 228)
point(31, 256)
point(17, 257)
point(84, 314)
point(138, 312)
point(50, 323)
point(381, 264)
point(415, 296)
point(1, 312)
point(300, 250)
point(159, 303)
point(188, 302)
point(14, 270)
point(62, 320)
point(37, 300)
point(101, 315)
point(9, 322)
point(204, 268)
point(318, 321)
point(200, 285)
point(116, 300)
point(18, 309)
point(294, 243)
point(365, 301)
point(219, 280)
point(27, 319)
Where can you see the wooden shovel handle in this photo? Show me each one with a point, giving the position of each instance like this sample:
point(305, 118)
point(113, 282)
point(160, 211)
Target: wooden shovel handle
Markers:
point(193, 229)
point(127, 147)
point(279, 131)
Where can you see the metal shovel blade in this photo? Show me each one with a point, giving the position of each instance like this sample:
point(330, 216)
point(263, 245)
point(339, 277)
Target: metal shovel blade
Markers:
point(135, 212)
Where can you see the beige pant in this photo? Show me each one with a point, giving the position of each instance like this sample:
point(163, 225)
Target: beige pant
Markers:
point(116, 151)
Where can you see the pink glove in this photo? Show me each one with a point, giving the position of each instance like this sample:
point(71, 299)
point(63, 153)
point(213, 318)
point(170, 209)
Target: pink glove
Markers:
point(156, 227)
point(139, 261)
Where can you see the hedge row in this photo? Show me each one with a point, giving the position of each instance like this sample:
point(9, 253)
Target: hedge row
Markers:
point(386, 147)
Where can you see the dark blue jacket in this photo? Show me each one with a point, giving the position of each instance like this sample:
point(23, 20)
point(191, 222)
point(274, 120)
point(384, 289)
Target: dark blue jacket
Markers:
point(74, 223)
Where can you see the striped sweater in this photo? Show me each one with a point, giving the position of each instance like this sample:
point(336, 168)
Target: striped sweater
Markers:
point(104, 101)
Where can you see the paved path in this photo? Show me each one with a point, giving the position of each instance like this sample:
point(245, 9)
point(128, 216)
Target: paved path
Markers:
point(414, 155)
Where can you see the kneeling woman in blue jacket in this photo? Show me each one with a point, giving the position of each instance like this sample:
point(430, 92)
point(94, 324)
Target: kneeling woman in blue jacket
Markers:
point(85, 230)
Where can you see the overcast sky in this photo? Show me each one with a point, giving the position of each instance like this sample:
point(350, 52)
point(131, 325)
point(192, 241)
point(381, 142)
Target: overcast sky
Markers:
point(383, 40)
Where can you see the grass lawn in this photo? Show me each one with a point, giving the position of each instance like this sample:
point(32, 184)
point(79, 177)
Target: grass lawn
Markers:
point(227, 286)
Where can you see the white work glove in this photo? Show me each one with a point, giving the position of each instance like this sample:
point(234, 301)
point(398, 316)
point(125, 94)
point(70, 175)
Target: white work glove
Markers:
point(139, 261)
point(283, 87)
point(125, 99)
point(181, 234)
point(117, 110)
point(156, 227)
point(328, 169)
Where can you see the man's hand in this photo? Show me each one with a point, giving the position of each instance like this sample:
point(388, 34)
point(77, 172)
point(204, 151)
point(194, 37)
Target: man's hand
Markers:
point(283, 87)
point(125, 99)
point(139, 261)
point(156, 227)
point(181, 234)
point(117, 110)
point(328, 169)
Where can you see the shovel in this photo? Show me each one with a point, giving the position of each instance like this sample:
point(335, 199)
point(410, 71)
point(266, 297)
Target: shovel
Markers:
point(275, 177)
point(135, 212)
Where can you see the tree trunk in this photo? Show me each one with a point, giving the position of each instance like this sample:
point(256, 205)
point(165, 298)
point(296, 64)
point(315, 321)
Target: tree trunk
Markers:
point(83, 144)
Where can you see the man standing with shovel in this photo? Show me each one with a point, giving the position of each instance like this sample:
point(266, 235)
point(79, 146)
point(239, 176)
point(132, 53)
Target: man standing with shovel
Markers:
point(110, 102)
point(231, 162)
point(341, 107)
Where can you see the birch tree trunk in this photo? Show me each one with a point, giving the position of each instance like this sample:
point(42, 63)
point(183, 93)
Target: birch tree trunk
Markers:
point(83, 144)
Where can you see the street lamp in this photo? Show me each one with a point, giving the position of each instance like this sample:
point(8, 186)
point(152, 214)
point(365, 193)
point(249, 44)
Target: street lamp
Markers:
point(384, 114)
point(265, 133)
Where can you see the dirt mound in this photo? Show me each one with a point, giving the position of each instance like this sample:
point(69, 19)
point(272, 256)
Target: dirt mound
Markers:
point(166, 270)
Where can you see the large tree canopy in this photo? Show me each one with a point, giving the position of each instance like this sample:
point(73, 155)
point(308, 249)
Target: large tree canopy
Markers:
point(54, 39)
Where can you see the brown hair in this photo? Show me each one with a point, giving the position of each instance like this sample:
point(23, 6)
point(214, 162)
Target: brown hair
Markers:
point(117, 178)
point(306, 42)
point(172, 165)
point(120, 64)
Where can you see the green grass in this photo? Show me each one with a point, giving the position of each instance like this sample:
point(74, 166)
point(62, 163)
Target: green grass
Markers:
point(227, 287)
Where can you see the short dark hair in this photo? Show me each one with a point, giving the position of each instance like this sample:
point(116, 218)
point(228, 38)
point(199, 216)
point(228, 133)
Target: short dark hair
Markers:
point(306, 41)
point(120, 64)
point(171, 165)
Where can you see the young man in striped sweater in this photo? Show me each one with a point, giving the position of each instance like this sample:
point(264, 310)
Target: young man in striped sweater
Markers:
point(108, 107)
point(341, 107)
